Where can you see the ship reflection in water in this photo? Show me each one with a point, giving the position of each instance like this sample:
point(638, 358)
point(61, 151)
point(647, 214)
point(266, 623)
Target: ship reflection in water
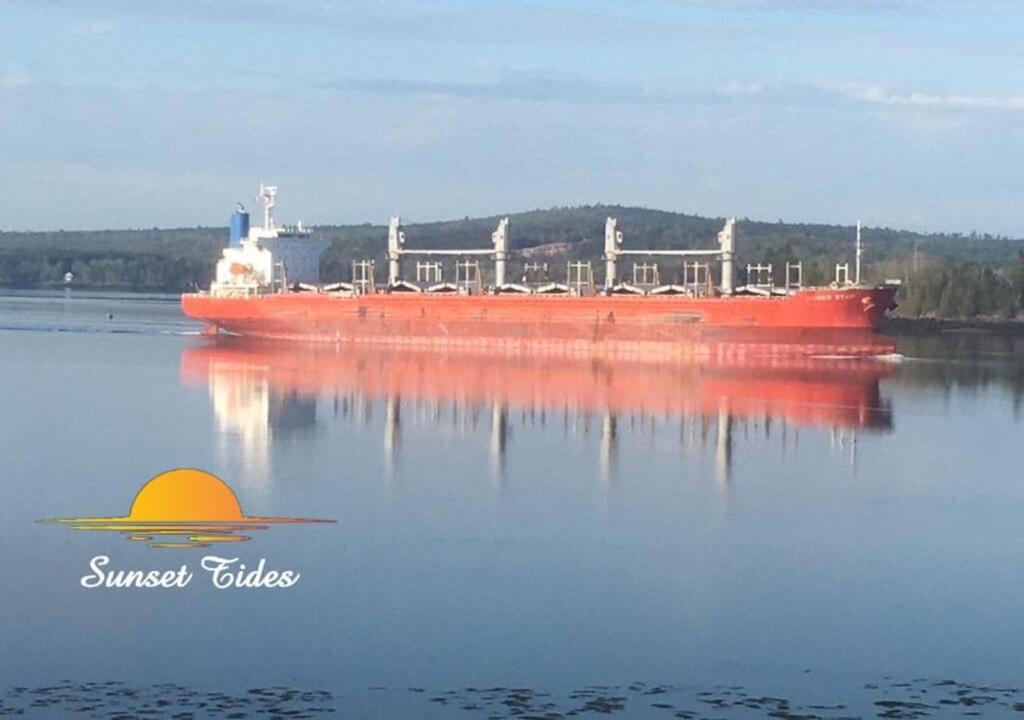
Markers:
point(265, 393)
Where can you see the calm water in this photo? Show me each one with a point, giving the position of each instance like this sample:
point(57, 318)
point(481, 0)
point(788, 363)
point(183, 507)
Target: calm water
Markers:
point(792, 531)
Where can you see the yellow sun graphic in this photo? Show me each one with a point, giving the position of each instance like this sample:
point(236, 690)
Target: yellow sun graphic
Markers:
point(183, 508)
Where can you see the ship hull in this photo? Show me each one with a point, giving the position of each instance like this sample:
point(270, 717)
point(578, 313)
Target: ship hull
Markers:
point(836, 321)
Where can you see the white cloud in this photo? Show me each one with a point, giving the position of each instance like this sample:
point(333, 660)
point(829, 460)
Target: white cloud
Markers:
point(878, 95)
point(741, 88)
point(860, 7)
point(92, 28)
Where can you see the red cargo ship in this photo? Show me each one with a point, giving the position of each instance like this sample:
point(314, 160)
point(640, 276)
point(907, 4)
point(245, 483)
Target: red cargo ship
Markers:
point(266, 286)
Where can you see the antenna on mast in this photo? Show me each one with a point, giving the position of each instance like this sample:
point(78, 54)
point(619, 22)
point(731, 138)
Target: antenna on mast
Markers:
point(860, 252)
point(268, 194)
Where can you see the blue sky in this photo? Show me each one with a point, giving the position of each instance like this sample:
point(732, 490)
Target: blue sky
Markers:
point(125, 113)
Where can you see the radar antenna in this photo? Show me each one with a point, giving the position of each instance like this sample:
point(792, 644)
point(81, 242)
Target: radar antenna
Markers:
point(268, 194)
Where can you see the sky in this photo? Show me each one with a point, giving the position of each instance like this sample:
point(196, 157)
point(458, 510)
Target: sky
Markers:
point(131, 113)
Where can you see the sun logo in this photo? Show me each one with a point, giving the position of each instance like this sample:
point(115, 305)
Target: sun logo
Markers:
point(183, 508)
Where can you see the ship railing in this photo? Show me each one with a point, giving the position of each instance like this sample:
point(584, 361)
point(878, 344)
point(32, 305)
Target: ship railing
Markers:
point(446, 251)
point(239, 291)
point(580, 277)
point(725, 253)
point(842, 275)
point(363, 272)
point(429, 273)
point(279, 277)
point(646, 275)
point(467, 276)
point(672, 253)
point(759, 277)
point(697, 279)
point(535, 273)
point(498, 252)
point(696, 275)
point(794, 276)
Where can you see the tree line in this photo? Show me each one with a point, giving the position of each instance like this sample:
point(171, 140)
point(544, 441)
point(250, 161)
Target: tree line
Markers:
point(942, 275)
point(965, 290)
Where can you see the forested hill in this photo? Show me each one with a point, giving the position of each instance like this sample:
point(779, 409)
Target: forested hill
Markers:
point(950, 275)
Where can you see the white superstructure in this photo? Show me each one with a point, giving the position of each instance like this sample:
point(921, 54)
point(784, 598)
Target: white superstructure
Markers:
point(268, 258)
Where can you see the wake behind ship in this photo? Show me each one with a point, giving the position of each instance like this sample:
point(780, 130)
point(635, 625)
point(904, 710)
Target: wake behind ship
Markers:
point(267, 285)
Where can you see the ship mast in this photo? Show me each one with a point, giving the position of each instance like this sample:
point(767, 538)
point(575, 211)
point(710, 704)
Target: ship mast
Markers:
point(860, 252)
point(268, 194)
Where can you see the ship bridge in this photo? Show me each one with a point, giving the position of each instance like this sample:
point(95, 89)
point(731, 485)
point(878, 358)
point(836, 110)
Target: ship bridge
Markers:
point(267, 258)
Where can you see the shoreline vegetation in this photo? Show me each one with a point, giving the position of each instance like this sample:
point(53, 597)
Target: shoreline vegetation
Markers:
point(949, 282)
